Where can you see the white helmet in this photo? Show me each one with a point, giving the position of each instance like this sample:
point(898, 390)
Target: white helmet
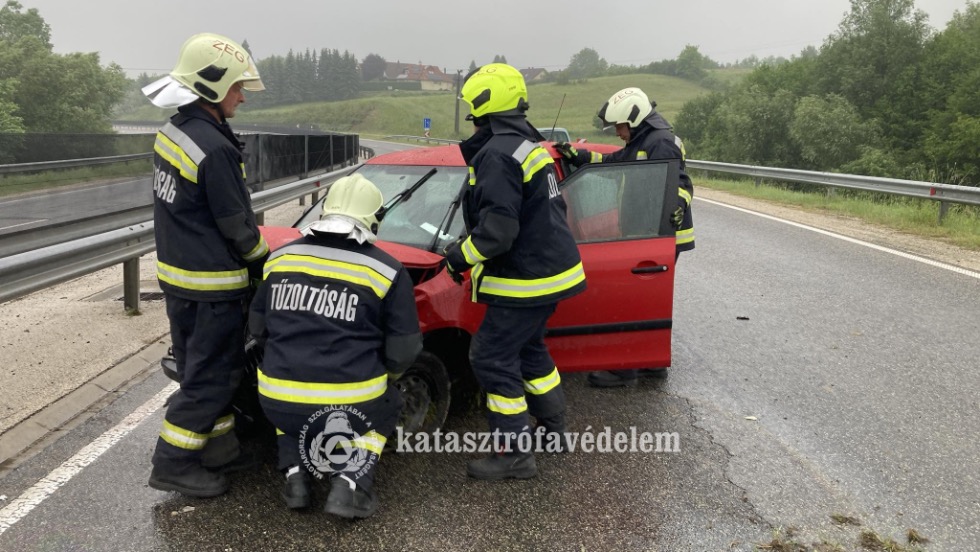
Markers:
point(350, 208)
point(208, 65)
point(629, 105)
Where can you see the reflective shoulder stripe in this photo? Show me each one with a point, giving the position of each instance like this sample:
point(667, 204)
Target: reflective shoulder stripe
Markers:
point(179, 150)
point(680, 144)
point(329, 262)
point(506, 405)
point(540, 386)
point(321, 393)
point(641, 155)
point(539, 287)
point(595, 157)
point(532, 158)
point(202, 280)
point(472, 176)
point(182, 438)
point(258, 251)
point(470, 252)
point(684, 236)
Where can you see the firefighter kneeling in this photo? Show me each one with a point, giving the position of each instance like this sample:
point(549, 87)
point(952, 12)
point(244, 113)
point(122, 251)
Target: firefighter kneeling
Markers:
point(337, 317)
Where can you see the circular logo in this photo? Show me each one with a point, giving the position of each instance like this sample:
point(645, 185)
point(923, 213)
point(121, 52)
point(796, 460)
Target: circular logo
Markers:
point(337, 439)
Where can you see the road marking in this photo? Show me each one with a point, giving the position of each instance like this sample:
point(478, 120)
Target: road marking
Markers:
point(22, 224)
point(923, 260)
point(61, 475)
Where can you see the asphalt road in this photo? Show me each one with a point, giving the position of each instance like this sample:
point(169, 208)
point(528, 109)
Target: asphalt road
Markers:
point(811, 377)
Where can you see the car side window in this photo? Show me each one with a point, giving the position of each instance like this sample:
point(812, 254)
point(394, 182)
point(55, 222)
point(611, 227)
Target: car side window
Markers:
point(617, 201)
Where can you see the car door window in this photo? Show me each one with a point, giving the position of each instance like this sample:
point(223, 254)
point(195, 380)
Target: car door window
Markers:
point(617, 201)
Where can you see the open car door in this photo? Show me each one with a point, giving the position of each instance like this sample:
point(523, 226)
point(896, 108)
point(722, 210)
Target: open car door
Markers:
point(619, 214)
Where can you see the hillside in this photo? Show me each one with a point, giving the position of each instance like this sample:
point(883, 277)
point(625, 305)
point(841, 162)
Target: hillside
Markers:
point(399, 112)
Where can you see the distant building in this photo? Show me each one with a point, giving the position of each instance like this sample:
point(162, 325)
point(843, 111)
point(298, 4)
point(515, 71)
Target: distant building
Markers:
point(429, 76)
point(532, 74)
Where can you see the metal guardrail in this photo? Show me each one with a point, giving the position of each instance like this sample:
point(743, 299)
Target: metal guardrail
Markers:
point(71, 163)
point(34, 270)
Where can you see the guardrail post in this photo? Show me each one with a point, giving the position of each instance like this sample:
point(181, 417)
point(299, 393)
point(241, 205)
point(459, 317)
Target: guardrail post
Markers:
point(306, 163)
point(758, 182)
point(943, 209)
point(260, 185)
point(131, 285)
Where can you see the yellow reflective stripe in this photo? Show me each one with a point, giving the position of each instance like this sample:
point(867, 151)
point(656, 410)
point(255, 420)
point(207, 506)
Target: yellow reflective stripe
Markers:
point(470, 252)
point(172, 154)
point(475, 276)
point(472, 177)
point(641, 155)
point(202, 280)
point(258, 251)
point(540, 386)
point(371, 441)
point(506, 405)
point(685, 195)
point(684, 236)
point(538, 287)
point(182, 438)
point(326, 268)
point(595, 157)
point(223, 425)
point(321, 393)
point(537, 160)
point(279, 432)
point(243, 172)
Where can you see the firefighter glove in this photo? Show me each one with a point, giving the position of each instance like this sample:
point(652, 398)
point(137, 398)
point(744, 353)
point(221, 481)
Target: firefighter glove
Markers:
point(677, 217)
point(567, 151)
point(455, 275)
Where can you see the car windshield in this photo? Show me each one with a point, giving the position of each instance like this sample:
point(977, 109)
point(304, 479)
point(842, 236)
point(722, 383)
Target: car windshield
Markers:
point(414, 221)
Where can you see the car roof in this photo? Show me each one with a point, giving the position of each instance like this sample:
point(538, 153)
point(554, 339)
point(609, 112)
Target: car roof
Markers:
point(450, 155)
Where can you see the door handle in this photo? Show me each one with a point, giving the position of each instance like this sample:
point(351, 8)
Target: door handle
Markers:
point(649, 269)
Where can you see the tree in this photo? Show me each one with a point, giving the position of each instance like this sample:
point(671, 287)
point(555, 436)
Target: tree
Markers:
point(692, 64)
point(15, 25)
point(473, 66)
point(373, 67)
point(829, 132)
point(586, 63)
point(500, 59)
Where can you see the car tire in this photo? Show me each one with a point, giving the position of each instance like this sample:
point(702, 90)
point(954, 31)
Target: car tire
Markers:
point(656, 373)
point(426, 393)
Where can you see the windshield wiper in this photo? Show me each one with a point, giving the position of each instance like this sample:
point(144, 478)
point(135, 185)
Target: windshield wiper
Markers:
point(447, 219)
point(404, 195)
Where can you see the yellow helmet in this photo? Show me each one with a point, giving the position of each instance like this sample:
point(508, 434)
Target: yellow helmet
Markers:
point(629, 105)
point(495, 89)
point(210, 63)
point(354, 197)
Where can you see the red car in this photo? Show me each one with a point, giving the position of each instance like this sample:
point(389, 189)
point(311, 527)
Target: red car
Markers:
point(618, 213)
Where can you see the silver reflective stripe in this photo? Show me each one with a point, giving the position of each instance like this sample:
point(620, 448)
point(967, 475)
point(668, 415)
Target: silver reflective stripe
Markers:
point(353, 276)
point(523, 151)
point(494, 285)
point(335, 254)
point(184, 141)
point(239, 277)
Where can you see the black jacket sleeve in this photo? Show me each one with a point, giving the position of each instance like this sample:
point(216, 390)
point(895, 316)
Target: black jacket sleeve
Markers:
point(403, 338)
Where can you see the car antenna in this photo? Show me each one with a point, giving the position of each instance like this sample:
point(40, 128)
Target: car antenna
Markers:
point(554, 126)
point(403, 195)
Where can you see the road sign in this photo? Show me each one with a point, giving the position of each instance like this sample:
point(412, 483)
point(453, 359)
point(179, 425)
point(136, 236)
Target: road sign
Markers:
point(426, 124)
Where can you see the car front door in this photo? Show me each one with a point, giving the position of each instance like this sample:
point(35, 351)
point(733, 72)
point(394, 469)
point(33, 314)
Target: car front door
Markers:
point(619, 215)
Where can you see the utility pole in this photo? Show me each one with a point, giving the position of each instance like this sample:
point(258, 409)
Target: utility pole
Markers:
point(458, 71)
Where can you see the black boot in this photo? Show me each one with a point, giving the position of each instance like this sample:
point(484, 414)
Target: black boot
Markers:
point(196, 481)
point(297, 490)
point(554, 438)
point(503, 465)
point(348, 500)
point(613, 378)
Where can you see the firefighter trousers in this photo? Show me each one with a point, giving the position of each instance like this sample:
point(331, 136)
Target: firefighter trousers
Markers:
point(512, 364)
point(208, 345)
point(331, 440)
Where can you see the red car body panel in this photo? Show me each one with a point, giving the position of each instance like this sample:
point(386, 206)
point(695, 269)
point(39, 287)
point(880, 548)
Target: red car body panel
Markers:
point(606, 327)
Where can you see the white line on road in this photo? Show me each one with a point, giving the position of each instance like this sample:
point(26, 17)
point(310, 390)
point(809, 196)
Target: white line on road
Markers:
point(61, 475)
point(923, 260)
point(22, 224)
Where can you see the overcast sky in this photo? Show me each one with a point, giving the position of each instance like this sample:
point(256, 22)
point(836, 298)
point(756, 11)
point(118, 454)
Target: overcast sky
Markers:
point(145, 36)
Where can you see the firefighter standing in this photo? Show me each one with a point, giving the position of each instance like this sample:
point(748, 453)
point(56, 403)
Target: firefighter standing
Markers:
point(208, 247)
point(523, 261)
point(337, 317)
point(648, 136)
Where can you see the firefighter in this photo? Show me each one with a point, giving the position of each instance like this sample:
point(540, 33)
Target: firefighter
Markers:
point(648, 136)
point(338, 322)
point(522, 260)
point(208, 249)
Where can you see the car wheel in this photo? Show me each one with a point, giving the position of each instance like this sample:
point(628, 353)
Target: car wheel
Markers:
point(656, 373)
point(425, 392)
